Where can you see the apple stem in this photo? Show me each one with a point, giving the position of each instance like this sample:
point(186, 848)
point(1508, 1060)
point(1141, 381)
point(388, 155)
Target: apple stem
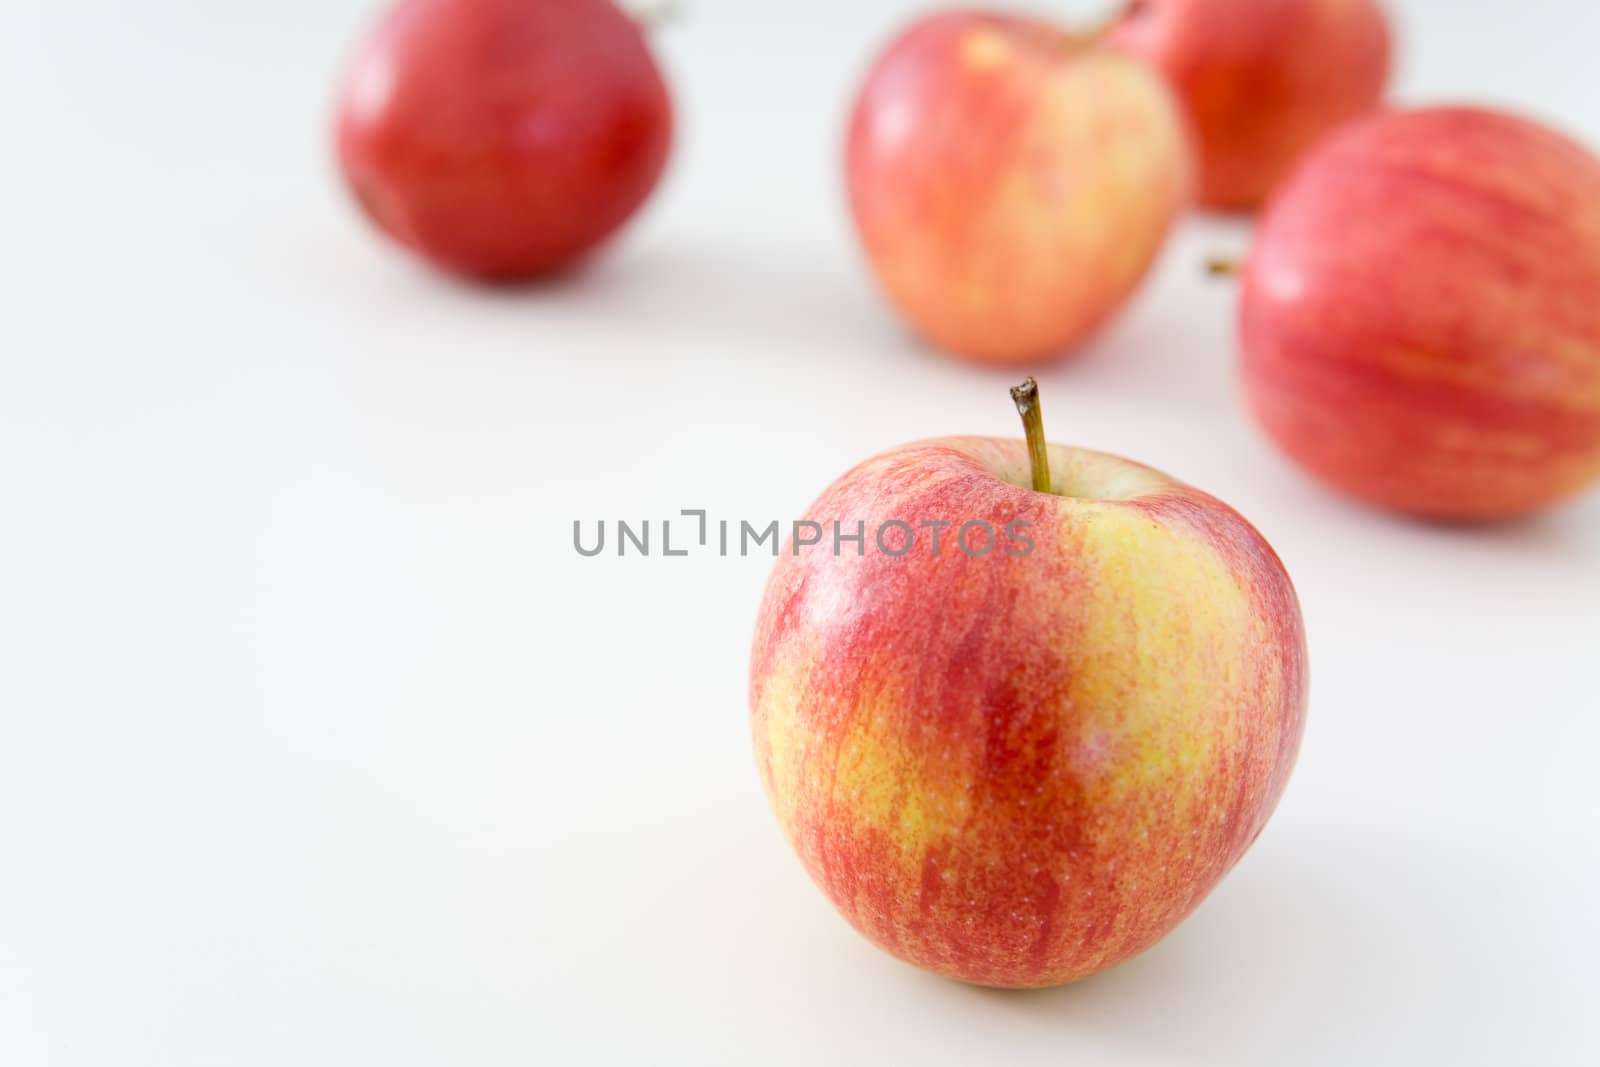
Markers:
point(656, 14)
point(1026, 396)
point(1223, 267)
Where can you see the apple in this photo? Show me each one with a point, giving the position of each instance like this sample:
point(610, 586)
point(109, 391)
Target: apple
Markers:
point(1020, 766)
point(503, 139)
point(1421, 314)
point(1011, 182)
point(1262, 79)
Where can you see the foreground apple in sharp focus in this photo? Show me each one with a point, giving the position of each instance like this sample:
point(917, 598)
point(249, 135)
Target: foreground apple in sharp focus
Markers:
point(1262, 79)
point(1012, 183)
point(1021, 769)
point(502, 139)
point(1421, 314)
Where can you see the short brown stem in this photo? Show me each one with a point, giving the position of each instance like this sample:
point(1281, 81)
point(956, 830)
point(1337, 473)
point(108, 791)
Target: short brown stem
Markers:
point(1026, 396)
point(1223, 267)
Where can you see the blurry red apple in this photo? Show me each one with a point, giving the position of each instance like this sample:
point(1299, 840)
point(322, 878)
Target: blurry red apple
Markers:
point(1421, 314)
point(1019, 756)
point(1011, 182)
point(502, 139)
point(1262, 79)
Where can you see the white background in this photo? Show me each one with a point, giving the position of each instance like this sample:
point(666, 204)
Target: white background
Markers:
point(320, 745)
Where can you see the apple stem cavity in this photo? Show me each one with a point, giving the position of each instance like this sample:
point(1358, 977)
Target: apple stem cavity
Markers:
point(1026, 396)
point(1223, 267)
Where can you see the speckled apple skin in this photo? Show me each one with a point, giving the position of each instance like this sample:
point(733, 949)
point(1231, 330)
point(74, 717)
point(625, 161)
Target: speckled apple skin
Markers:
point(1263, 80)
point(1021, 770)
point(1012, 185)
point(1421, 315)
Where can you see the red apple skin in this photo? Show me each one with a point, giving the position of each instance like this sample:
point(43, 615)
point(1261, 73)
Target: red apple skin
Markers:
point(1021, 770)
point(503, 139)
point(1421, 314)
point(1263, 80)
point(1011, 184)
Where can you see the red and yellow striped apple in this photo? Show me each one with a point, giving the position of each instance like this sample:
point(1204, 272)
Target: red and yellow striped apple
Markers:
point(1018, 768)
point(1421, 314)
point(1263, 80)
point(1012, 183)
